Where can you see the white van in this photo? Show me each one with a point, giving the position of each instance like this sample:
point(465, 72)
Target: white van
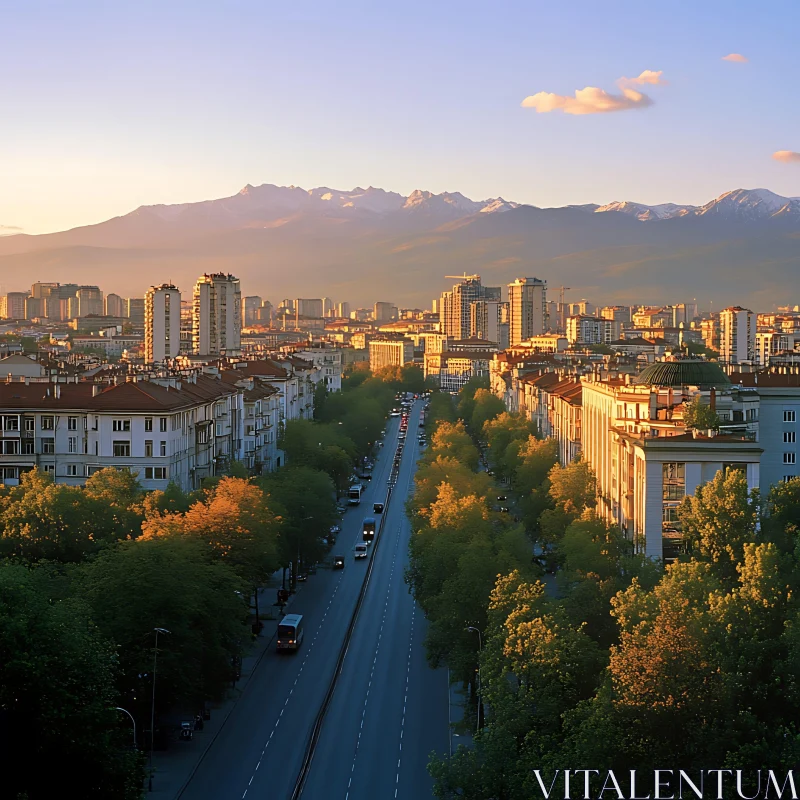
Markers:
point(361, 550)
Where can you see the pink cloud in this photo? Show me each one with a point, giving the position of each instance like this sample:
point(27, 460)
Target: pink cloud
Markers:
point(737, 58)
point(648, 76)
point(787, 156)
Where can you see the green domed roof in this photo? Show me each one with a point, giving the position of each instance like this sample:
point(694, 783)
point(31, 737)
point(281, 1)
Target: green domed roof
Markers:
point(683, 372)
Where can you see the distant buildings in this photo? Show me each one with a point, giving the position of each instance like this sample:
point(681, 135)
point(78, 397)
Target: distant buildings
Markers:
point(390, 353)
point(737, 335)
point(308, 308)
point(591, 330)
point(455, 305)
point(217, 315)
point(114, 306)
point(384, 312)
point(250, 308)
point(527, 309)
point(162, 323)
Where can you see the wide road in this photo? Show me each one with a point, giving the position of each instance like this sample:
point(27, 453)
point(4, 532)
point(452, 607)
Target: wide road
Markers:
point(260, 750)
point(390, 710)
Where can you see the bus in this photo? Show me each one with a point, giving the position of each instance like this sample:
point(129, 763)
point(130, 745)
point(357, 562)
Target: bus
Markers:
point(290, 632)
point(368, 529)
point(354, 495)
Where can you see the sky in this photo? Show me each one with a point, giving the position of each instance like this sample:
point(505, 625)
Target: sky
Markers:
point(106, 106)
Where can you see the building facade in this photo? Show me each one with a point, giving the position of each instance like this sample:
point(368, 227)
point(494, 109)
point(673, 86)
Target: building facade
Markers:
point(737, 335)
point(527, 309)
point(390, 353)
point(162, 323)
point(217, 315)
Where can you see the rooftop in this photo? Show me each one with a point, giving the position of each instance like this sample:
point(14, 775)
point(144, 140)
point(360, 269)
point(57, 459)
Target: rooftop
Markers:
point(683, 372)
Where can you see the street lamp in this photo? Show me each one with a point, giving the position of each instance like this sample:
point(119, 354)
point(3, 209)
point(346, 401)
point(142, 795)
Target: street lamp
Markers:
point(124, 711)
point(471, 629)
point(153, 707)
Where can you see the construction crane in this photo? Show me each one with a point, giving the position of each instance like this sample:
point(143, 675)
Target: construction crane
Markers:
point(561, 291)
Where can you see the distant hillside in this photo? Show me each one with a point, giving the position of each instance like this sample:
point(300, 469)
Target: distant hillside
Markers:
point(368, 244)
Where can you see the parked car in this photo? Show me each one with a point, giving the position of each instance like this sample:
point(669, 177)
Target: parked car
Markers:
point(302, 576)
point(501, 497)
point(503, 510)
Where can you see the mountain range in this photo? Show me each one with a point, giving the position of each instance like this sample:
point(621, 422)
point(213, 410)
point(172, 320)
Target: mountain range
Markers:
point(364, 245)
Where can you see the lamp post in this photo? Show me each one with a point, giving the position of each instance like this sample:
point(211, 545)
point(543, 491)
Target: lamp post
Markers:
point(472, 629)
point(153, 707)
point(133, 721)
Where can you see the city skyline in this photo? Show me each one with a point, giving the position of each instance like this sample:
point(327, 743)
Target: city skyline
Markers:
point(704, 90)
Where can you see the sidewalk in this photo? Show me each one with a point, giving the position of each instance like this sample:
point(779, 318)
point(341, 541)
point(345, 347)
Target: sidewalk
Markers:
point(173, 768)
point(459, 734)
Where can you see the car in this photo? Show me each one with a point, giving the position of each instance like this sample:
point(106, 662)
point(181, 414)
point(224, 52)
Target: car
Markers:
point(377, 508)
point(503, 510)
point(338, 562)
point(360, 550)
point(395, 412)
point(501, 497)
point(336, 529)
point(302, 576)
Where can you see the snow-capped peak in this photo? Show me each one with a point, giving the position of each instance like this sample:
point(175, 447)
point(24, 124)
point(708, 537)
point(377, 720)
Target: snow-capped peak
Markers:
point(647, 213)
point(750, 204)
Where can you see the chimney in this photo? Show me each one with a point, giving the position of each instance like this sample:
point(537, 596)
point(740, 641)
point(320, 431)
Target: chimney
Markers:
point(712, 402)
point(58, 391)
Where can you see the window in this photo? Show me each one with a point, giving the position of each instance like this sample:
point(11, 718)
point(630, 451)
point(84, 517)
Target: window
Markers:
point(673, 480)
point(789, 416)
point(219, 429)
point(121, 425)
point(162, 449)
point(27, 448)
point(72, 423)
point(11, 423)
point(72, 444)
point(49, 468)
point(122, 449)
point(148, 423)
point(10, 447)
point(155, 473)
point(788, 458)
point(788, 437)
point(163, 424)
point(787, 478)
point(148, 448)
point(669, 518)
point(48, 447)
point(30, 424)
point(49, 423)
point(72, 470)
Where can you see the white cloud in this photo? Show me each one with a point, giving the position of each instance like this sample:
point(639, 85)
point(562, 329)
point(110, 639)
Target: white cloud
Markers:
point(648, 76)
point(592, 100)
point(738, 58)
point(787, 156)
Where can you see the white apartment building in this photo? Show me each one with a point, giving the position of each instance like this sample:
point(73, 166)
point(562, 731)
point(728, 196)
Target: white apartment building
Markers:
point(454, 306)
point(162, 323)
point(328, 361)
point(114, 306)
point(527, 309)
point(591, 330)
point(773, 343)
point(737, 335)
point(644, 458)
point(390, 353)
point(179, 429)
point(89, 301)
point(217, 315)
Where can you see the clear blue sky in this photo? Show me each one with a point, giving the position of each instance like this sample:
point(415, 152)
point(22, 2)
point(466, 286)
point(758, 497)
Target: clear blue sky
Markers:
point(109, 105)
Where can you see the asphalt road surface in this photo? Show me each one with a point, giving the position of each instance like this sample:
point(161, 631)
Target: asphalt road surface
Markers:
point(389, 710)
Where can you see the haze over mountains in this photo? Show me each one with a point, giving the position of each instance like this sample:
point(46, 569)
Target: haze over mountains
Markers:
point(368, 244)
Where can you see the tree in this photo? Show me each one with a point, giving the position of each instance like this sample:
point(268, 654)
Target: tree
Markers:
point(118, 493)
point(718, 519)
point(167, 581)
point(305, 500)
point(699, 416)
point(452, 440)
point(236, 523)
point(43, 520)
point(58, 698)
point(499, 433)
